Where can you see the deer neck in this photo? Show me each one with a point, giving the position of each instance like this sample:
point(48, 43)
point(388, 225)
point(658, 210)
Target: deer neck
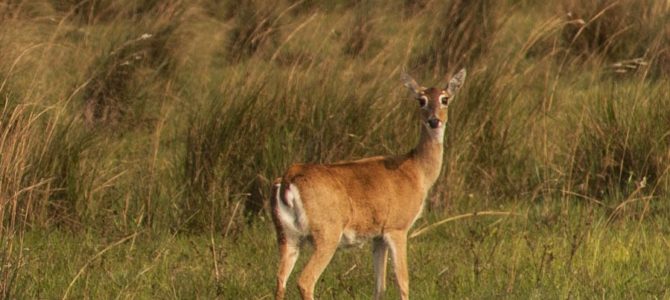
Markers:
point(428, 155)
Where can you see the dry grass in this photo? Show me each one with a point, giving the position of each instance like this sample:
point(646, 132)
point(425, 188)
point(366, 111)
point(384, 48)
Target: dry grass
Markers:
point(211, 132)
point(459, 33)
point(619, 31)
point(174, 116)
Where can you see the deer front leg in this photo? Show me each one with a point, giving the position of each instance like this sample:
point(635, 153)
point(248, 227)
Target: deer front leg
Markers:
point(325, 245)
point(380, 257)
point(397, 241)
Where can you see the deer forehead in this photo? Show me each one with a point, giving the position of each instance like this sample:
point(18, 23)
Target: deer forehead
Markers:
point(433, 93)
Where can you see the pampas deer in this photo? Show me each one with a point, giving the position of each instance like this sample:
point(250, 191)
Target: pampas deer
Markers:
point(377, 198)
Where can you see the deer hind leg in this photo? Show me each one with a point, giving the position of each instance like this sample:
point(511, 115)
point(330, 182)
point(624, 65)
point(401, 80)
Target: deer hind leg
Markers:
point(289, 242)
point(288, 255)
point(380, 257)
point(397, 241)
point(325, 244)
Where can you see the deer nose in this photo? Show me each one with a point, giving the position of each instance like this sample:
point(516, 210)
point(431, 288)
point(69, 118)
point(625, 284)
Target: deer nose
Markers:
point(434, 123)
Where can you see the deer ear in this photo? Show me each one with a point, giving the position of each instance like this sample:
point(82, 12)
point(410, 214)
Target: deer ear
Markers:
point(456, 82)
point(411, 84)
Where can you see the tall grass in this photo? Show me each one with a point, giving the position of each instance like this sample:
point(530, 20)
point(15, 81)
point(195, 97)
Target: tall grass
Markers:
point(42, 181)
point(145, 114)
point(620, 145)
point(256, 27)
point(458, 34)
point(619, 31)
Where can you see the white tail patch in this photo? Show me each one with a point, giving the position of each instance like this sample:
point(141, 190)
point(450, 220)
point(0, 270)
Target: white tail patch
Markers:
point(290, 210)
point(289, 197)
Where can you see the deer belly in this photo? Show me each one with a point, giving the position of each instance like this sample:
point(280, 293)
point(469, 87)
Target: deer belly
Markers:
point(352, 238)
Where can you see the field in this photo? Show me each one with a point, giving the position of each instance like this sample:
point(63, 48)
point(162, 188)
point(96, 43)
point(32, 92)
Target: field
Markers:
point(138, 140)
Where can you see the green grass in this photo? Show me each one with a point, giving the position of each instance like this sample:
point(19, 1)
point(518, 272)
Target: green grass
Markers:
point(540, 253)
point(167, 120)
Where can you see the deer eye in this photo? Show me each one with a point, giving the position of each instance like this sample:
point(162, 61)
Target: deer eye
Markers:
point(444, 100)
point(422, 101)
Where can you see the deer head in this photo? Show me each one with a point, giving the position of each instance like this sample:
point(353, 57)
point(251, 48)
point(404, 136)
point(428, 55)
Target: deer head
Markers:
point(434, 102)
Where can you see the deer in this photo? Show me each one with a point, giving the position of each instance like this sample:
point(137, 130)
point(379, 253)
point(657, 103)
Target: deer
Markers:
point(375, 199)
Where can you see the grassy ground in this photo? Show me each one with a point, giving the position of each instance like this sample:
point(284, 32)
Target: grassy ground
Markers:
point(538, 253)
point(138, 139)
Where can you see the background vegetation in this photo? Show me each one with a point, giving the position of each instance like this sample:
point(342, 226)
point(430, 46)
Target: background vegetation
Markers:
point(138, 139)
